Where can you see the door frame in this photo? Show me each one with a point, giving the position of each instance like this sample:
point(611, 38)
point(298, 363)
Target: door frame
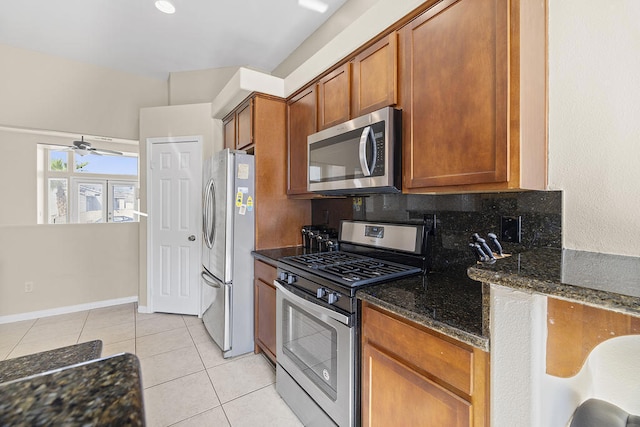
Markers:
point(198, 139)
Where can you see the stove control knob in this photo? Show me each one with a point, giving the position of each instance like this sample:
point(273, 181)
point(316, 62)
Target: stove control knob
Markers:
point(291, 279)
point(282, 276)
point(332, 298)
point(321, 292)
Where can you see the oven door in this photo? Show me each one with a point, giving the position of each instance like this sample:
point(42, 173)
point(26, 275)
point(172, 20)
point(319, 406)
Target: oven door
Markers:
point(315, 346)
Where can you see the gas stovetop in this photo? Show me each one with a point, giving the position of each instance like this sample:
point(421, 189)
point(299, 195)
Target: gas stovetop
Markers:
point(350, 269)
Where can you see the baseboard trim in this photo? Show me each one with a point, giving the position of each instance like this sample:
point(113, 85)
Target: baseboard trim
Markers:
point(65, 310)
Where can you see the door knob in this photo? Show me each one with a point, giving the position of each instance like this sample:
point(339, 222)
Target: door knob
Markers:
point(192, 238)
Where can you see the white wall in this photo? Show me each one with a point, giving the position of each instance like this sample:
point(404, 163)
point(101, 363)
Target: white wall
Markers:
point(69, 264)
point(46, 92)
point(518, 333)
point(199, 86)
point(594, 122)
point(74, 264)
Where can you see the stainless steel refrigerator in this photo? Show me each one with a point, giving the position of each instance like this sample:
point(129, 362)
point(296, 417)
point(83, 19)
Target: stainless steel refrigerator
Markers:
point(228, 239)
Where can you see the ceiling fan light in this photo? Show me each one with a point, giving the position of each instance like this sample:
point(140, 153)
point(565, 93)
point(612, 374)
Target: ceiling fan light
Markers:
point(165, 6)
point(315, 5)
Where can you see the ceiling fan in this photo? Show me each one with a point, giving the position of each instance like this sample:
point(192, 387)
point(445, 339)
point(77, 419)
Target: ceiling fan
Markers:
point(83, 147)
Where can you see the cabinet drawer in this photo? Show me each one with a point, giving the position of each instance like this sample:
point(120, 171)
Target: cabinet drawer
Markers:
point(264, 272)
point(423, 350)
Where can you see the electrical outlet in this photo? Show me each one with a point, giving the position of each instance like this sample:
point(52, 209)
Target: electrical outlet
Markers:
point(28, 287)
point(511, 229)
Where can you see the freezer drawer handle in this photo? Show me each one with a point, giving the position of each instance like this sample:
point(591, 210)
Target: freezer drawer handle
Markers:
point(210, 282)
point(192, 238)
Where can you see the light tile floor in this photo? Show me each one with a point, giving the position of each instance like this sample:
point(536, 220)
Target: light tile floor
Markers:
point(186, 381)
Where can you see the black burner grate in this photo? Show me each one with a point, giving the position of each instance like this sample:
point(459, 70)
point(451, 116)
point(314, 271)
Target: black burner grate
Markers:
point(350, 269)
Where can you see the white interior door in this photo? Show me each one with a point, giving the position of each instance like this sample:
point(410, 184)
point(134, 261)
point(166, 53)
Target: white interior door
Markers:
point(175, 224)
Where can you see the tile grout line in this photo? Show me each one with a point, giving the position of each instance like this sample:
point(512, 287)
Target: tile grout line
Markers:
point(20, 340)
point(82, 329)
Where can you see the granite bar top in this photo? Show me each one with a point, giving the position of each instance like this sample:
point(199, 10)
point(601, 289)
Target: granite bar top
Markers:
point(49, 360)
point(602, 280)
point(100, 392)
point(448, 302)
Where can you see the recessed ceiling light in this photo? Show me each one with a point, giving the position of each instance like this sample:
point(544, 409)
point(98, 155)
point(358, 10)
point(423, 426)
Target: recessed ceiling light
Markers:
point(315, 5)
point(165, 6)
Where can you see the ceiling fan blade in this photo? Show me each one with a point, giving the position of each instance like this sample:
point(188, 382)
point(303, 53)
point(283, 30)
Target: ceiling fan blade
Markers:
point(104, 151)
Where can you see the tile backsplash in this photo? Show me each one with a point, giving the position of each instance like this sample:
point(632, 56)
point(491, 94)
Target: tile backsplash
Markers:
point(458, 216)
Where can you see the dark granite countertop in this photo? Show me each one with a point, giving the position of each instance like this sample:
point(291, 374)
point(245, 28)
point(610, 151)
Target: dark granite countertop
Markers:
point(603, 280)
point(105, 391)
point(31, 364)
point(271, 256)
point(448, 302)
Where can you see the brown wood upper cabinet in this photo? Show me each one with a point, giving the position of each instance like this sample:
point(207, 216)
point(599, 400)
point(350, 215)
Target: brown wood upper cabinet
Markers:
point(260, 128)
point(472, 120)
point(333, 97)
point(238, 127)
point(229, 125)
point(366, 83)
point(301, 122)
point(374, 77)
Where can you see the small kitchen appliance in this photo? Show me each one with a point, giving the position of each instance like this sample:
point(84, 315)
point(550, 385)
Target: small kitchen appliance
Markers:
point(359, 156)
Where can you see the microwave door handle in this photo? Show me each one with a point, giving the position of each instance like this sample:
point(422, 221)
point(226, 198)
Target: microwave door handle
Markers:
point(367, 135)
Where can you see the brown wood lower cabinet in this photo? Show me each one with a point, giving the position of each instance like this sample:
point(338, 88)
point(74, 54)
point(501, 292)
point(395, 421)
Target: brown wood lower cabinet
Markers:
point(265, 309)
point(415, 376)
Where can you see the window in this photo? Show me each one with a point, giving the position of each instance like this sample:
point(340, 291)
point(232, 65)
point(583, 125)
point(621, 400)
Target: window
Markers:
point(95, 189)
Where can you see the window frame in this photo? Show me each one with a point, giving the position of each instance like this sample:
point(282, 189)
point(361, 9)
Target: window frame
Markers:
point(73, 178)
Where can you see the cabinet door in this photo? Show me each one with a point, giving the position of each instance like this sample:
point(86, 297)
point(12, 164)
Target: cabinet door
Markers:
point(265, 309)
point(244, 116)
point(302, 119)
point(454, 76)
point(375, 77)
point(333, 97)
point(391, 391)
point(229, 125)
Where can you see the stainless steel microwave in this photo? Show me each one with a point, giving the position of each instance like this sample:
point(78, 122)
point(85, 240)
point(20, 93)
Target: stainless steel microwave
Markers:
point(357, 157)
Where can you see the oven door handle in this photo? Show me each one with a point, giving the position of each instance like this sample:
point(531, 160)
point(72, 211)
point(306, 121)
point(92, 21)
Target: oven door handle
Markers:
point(312, 306)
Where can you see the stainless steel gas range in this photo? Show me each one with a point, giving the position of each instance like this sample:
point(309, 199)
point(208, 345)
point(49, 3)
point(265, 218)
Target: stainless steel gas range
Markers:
point(317, 315)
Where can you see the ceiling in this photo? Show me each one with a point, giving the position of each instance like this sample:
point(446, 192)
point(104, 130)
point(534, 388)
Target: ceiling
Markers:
point(133, 36)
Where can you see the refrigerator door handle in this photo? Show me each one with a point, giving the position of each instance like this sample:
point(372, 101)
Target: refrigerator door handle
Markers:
point(210, 281)
point(209, 215)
